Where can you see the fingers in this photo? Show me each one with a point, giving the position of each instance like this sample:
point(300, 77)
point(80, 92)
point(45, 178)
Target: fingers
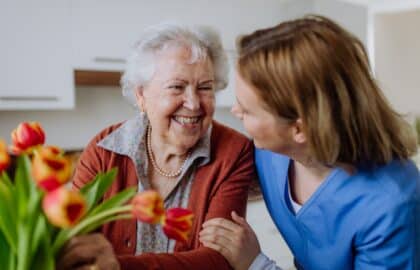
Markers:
point(240, 220)
point(219, 238)
point(221, 249)
point(88, 267)
point(237, 218)
point(222, 223)
point(98, 239)
point(87, 250)
point(76, 256)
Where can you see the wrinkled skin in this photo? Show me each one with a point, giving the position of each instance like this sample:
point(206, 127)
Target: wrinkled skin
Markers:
point(88, 252)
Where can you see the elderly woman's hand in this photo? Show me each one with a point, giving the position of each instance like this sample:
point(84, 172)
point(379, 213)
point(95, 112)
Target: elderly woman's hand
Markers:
point(236, 240)
point(88, 252)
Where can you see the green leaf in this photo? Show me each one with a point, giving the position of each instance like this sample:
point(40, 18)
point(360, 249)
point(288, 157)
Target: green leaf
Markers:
point(6, 255)
point(40, 232)
point(117, 200)
point(34, 215)
point(94, 190)
point(89, 222)
point(44, 258)
point(22, 183)
point(8, 221)
point(96, 225)
point(5, 178)
point(29, 208)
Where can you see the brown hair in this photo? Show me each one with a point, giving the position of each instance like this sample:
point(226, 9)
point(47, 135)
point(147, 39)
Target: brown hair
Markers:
point(313, 69)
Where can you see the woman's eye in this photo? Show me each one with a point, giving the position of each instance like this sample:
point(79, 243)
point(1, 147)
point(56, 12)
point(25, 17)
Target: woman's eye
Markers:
point(205, 88)
point(176, 87)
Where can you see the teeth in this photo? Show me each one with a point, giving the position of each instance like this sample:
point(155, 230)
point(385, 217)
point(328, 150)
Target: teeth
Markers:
point(187, 120)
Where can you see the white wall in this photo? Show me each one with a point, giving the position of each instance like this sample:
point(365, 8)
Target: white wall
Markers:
point(352, 16)
point(397, 58)
point(297, 8)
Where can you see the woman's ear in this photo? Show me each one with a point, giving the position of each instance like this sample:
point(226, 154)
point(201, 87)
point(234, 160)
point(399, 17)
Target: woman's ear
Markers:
point(298, 134)
point(139, 94)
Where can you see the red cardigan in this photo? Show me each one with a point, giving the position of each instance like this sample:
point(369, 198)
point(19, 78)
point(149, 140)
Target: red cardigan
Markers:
point(218, 188)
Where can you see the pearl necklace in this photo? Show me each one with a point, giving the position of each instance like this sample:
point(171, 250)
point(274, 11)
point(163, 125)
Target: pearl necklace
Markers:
point(153, 161)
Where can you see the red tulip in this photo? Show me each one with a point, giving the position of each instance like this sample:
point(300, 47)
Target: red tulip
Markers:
point(64, 207)
point(177, 223)
point(50, 168)
point(4, 156)
point(27, 136)
point(148, 207)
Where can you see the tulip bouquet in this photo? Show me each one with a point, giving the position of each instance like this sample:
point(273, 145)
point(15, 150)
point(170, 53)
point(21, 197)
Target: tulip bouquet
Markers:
point(39, 213)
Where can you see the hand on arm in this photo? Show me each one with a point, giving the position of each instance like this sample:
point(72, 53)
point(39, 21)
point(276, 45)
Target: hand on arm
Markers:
point(235, 240)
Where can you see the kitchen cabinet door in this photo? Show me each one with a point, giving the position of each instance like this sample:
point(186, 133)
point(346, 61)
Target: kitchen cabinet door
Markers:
point(35, 48)
point(103, 31)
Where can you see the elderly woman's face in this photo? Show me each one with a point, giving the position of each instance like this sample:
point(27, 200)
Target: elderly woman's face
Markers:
point(179, 99)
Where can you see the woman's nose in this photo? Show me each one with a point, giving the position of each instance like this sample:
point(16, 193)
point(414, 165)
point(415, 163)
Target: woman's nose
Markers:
point(192, 101)
point(235, 111)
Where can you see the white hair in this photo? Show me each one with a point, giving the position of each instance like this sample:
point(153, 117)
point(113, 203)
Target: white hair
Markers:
point(202, 41)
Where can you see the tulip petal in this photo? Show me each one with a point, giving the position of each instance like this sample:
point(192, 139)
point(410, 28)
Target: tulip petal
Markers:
point(49, 184)
point(27, 136)
point(50, 168)
point(4, 156)
point(73, 212)
point(148, 207)
point(177, 223)
point(63, 207)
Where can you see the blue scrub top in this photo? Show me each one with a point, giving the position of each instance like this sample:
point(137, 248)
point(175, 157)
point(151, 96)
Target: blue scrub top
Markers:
point(368, 220)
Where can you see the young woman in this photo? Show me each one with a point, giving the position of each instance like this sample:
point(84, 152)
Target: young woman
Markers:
point(333, 161)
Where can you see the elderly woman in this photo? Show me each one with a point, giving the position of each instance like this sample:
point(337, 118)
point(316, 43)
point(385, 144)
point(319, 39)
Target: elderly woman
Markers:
point(173, 146)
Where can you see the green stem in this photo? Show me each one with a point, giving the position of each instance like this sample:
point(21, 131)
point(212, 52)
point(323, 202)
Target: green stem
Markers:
point(105, 220)
point(62, 238)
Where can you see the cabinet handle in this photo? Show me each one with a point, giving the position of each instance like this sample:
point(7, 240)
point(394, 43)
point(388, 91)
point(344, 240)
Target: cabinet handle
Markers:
point(109, 60)
point(35, 98)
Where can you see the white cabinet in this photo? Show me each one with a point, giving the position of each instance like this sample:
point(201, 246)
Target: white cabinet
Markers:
point(35, 70)
point(103, 31)
point(100, 34)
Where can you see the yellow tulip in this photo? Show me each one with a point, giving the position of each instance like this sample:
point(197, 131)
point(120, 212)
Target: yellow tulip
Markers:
point(50, 168)
point(63, 207)
point(148, 207)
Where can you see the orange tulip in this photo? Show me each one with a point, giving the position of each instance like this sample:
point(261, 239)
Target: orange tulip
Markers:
point(63, 207)
point(177, 223)
point(148, 207)
point(50, 168)
point(27, 136)
point(4, 156)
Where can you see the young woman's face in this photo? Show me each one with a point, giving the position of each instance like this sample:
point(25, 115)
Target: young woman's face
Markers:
point(268, 130)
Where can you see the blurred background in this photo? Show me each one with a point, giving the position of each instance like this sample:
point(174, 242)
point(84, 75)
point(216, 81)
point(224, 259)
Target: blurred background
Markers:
point(61, 61)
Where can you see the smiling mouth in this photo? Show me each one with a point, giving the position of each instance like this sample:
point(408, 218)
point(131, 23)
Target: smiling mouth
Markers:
point(186, 120)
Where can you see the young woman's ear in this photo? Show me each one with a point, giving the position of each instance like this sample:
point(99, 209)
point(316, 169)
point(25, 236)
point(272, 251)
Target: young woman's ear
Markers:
point(138, 92)
point(298, 134)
